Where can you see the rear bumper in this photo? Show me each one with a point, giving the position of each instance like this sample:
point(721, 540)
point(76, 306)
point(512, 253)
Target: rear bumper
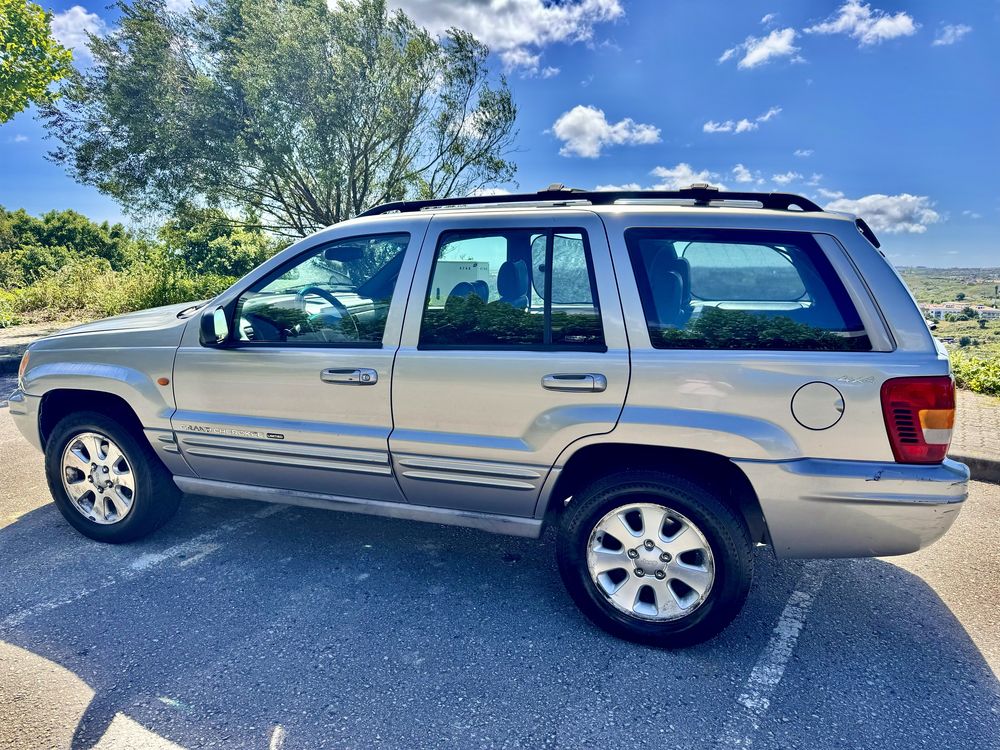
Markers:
point(822, 508)
point(24, 411)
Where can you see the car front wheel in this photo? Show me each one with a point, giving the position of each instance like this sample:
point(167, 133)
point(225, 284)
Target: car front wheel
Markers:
point(106, 480)
point(655, 558)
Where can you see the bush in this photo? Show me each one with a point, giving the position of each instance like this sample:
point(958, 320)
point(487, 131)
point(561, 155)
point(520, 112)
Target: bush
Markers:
point(978, 374)
point(89, 287)
point(8, 316)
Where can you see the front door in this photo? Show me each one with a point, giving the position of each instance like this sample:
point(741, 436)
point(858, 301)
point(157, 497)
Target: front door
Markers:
point(513, 347)
point(299, 398)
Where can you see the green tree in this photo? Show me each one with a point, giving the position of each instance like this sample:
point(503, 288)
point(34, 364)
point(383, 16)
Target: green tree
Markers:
point(286, 109)
point(30, 60)
point(207, 241)
point(960, 296)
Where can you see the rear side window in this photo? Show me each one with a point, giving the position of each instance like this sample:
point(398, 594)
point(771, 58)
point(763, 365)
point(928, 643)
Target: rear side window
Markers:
point(741, 289)
point(494, 289)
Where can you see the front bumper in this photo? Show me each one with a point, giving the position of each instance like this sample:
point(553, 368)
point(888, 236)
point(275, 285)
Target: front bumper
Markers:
point(24, 410)
point(822, 508)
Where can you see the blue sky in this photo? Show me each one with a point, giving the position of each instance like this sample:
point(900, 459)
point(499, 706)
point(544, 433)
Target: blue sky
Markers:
point(890, 108)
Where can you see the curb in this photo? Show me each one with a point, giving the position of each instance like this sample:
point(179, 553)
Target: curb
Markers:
point(983, 469)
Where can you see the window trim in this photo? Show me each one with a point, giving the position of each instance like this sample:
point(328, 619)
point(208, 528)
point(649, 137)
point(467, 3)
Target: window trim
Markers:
point(550, 233)
point(281, 268)
point(839, 292)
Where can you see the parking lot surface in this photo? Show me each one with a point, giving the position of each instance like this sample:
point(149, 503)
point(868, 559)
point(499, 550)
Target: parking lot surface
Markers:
point(259, 626)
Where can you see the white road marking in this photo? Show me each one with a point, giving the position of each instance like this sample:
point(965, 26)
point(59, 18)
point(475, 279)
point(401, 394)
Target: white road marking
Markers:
point(197, 546)
point(745, 718)
point(205, 551)
point(277, 738)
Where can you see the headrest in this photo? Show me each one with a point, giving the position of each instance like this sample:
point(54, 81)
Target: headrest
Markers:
point(512, 279)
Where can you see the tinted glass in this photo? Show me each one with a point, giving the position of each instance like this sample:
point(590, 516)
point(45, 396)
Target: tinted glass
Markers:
point(488, 289)
point(741, 289)
point(338, 293)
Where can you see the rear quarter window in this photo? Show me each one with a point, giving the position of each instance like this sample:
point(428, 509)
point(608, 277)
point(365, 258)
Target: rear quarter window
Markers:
point(741, 289)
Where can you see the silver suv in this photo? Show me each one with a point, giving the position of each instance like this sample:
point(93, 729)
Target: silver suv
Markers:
point(667, 378)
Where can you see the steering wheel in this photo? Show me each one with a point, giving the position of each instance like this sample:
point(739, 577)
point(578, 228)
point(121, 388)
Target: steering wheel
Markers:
point(342, 312)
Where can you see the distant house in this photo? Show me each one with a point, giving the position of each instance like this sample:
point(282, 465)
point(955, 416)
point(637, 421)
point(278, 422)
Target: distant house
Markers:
point(955, 308)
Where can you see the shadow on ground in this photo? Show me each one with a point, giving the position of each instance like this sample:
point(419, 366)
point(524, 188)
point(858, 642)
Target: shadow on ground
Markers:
point(348, 631)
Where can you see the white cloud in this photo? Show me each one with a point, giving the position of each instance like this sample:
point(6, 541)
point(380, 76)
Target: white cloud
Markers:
point(682, 176)
point(814, 179)
point(742, 174)
point(179, 6)
point(584, 131)
point(772, 112)
point(950, 33)
point(522, 27)
point(830, 194)
point(19, 138)
point(718, 127)
point(769, 18)
point(549, 72)
point(626, 186)
point(520, 59)
point(858, 20)
point(786, 177)
point(739, 126)
point(759, 50)
point(894, 214)
point(70, 28)
point(671, 178)
point(803, 152)
point(972, 214)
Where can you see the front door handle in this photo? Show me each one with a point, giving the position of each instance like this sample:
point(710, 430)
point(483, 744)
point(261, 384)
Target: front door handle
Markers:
point(575, 381)
point(350, 376)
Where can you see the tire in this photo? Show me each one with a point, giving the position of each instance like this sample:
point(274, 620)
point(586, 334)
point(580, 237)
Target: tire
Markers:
point(720, 570)
point(154, 496)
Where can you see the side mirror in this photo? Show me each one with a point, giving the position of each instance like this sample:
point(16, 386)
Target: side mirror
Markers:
point(214, 327)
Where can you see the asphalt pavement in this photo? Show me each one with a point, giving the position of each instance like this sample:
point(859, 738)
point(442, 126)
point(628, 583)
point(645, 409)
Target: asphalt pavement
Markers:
point(257, 626)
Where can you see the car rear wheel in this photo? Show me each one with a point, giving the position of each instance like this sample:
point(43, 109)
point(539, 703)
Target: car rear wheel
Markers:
point(655, 558)
point(106, 480)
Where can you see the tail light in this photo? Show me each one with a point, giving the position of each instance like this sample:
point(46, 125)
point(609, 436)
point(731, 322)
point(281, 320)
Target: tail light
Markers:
point(919, 417)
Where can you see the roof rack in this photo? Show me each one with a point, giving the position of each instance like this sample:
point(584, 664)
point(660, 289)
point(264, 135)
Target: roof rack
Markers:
point(700, 194)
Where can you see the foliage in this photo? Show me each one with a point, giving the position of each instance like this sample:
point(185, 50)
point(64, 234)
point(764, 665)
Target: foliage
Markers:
point(64, 265)
point(206, 241)
point(30, 60)
point(978, 374)
point(935, 285)
point(89, 287)
point(736, 329)
point(30, 247)
point(472, 321)
point(298, 112)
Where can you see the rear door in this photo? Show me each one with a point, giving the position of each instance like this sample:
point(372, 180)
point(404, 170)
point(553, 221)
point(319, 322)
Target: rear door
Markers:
point(503, 363)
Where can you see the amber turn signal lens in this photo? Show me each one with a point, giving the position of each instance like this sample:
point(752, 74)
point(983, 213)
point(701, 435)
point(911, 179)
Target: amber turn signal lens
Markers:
point(23, 366)
point(163, 381)
point(937, 419)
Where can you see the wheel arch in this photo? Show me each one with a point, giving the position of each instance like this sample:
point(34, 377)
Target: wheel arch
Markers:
point(711, 470)
point(61, 402)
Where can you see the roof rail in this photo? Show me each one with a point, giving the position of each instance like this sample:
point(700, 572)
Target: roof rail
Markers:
point(700, 194)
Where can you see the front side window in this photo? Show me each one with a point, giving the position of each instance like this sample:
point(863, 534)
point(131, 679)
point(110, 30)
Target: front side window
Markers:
point(336, 294)
point(741, 289)
point(493, 289)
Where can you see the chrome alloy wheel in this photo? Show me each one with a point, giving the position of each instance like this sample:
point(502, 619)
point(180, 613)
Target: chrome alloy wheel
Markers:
point(651, 562)
point(97, 478)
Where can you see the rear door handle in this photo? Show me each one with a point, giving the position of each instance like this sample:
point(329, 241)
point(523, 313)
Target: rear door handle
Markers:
point(350, 376)
point(575, 381)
